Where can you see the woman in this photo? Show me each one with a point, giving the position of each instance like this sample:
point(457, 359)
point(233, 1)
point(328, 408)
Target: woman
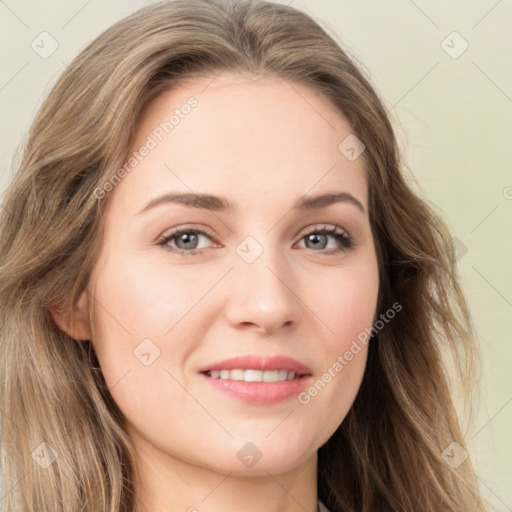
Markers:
point(218, 291)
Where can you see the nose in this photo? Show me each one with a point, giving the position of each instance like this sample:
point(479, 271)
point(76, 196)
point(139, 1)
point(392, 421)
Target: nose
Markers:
point(262, 294)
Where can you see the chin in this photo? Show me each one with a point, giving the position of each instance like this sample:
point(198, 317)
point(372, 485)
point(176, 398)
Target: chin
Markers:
point(258, 459)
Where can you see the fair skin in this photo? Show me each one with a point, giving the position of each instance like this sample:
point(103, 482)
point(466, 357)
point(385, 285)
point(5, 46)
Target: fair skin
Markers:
point(262, 145)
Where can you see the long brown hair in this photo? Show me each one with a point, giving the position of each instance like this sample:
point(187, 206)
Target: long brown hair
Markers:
point(389, 453)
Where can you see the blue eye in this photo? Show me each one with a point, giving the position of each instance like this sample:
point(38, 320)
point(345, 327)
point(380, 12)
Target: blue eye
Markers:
point(319, 238)
point(186, 240)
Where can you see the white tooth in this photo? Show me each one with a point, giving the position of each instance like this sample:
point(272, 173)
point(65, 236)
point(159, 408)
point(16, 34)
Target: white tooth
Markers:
point(253, 375)
point(282, 375)
point(237, 374)
point(270, 376)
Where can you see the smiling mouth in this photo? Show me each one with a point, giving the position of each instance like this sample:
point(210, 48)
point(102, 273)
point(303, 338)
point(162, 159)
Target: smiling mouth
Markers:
point(253, 375)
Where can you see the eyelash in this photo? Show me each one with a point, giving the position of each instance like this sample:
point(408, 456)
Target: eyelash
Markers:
point(345, 240)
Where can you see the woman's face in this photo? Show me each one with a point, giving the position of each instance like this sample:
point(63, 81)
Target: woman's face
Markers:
point(258, 280)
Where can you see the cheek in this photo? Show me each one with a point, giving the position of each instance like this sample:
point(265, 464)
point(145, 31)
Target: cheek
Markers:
point(136, 299)
point(143, 334)
point(347, 311)
point(348, 303)
point(141, 314)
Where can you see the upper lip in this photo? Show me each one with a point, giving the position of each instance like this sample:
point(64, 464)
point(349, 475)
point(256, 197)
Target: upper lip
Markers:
point(259, 363)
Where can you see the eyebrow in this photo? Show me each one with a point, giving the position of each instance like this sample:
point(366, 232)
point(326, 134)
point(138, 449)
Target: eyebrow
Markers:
point(221, 204)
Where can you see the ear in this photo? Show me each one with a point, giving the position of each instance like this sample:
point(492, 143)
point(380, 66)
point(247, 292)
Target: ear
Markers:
point(75, 322)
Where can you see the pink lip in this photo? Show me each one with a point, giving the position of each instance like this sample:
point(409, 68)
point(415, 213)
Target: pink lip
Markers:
point(264, 393)
point(260, 363)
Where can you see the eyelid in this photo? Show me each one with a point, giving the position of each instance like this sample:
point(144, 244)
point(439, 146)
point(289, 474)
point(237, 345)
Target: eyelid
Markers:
point(342, 236)
point(301, 234)
point(186, 227)
point(319, 227)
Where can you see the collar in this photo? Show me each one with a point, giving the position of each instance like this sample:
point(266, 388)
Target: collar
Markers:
point(322, 507)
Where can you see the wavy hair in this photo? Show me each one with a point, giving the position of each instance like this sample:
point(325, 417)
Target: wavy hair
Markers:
point(388, 453)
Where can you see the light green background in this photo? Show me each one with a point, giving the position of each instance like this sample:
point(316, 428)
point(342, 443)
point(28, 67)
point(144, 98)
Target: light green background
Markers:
point(454, 121)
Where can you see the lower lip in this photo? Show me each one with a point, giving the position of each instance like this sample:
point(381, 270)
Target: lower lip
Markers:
point(260, 392)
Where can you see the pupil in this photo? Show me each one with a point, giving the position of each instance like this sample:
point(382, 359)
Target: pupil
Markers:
point(186, 238)
point(315, 237)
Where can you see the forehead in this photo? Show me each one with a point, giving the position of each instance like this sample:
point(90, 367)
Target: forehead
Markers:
point(250, 138)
